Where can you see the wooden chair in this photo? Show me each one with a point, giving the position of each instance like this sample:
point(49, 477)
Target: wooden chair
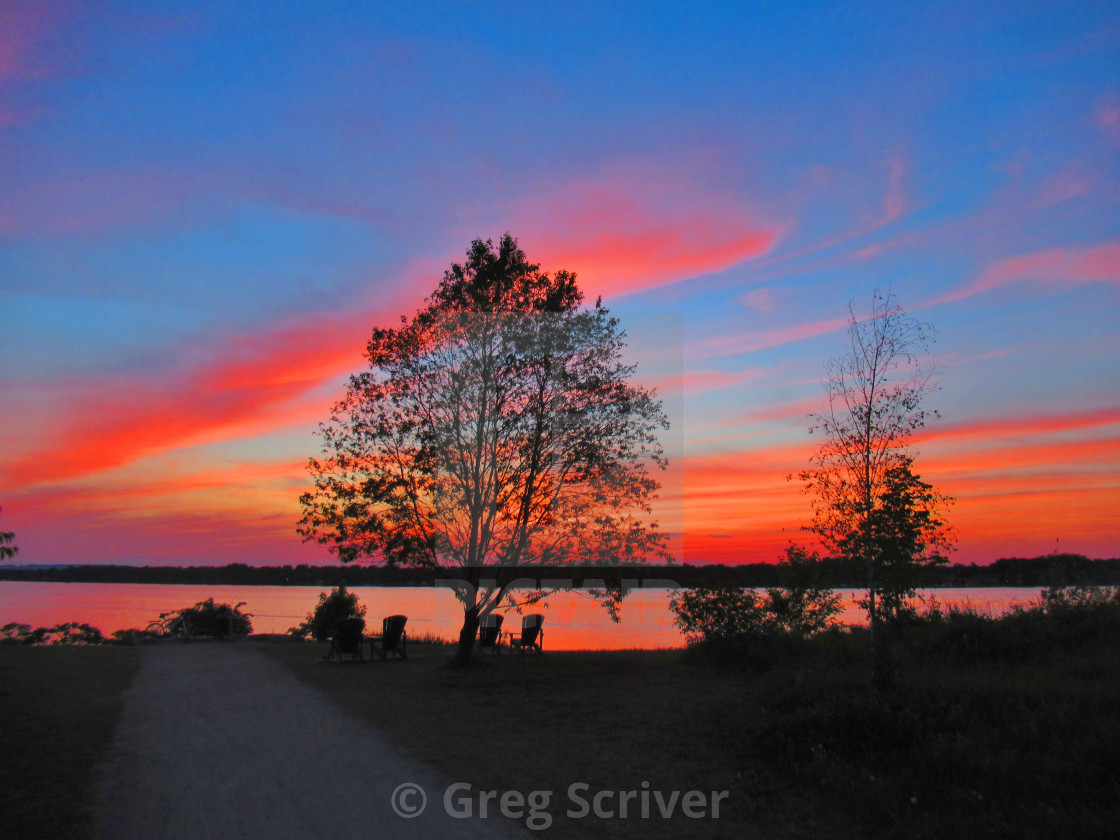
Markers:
point(490, 633)
point(532, 635)
point(348, 638)
point(392, 639)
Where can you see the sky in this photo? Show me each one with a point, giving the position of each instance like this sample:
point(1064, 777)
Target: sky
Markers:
point(205, 208)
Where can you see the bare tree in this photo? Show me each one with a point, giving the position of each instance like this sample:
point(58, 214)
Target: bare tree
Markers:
point(497, 429)
point(875, 394)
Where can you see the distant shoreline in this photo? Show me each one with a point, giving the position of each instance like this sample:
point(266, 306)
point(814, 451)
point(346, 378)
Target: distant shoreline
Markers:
point(1048, 570)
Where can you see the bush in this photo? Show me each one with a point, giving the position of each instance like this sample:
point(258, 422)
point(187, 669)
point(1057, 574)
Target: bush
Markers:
point(242, 623)
point(721, 614)
point(1063, 617)
point(70, 633)
point(331, 609)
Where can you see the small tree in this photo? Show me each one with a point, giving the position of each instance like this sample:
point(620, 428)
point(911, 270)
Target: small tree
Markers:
point(867, 504)
point(7, 549)
point(332, 608)
point(497, 429)
point(910, 538)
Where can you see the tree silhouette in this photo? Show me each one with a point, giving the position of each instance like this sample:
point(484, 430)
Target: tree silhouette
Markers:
point(7, 548)
point(908, 536)
point(867, 503)
point(498, 428)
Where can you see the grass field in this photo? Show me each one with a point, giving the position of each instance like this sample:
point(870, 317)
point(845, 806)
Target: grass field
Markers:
point(58, 708)
point(1016, 746)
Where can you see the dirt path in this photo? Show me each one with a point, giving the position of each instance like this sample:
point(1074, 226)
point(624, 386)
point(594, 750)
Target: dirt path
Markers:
point(217, 740)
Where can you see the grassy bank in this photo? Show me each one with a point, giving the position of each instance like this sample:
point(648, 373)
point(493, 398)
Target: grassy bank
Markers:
point(1018, 743)
point(58, 709)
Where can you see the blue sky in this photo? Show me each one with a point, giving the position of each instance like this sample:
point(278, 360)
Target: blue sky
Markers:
point(205, 207)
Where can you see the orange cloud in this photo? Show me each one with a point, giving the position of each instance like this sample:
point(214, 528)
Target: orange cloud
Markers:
point(252, 384)
point(1006, 428)
point(1019, 485)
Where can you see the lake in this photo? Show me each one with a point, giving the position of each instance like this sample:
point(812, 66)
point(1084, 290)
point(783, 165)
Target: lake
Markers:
point(573, 621)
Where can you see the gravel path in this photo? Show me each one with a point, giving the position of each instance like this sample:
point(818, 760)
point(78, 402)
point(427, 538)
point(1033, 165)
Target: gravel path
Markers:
point(217, 740)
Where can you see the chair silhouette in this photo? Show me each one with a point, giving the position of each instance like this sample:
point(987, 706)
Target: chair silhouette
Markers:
point(348, 639)
point(490, 633)
point(392, 639)
point(532, 635)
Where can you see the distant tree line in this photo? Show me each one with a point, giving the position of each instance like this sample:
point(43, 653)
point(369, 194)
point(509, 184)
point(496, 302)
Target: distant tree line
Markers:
point(836, 572)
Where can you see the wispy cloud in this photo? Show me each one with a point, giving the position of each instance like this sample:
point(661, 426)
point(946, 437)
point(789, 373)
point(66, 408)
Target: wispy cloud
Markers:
point(1006, 428)
point(752, 342)
point(1050, 267)
point(250, 385)
point(1107, 119)
point(761, 300)
point(636, 230)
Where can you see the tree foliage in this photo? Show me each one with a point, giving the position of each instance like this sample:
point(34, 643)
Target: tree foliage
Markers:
point(909, 537)
point(800, 607)
point(497, 428)
point(867, 503)
point(8, 549)
point(67, 633)
point(242, 623)
point(332, 608)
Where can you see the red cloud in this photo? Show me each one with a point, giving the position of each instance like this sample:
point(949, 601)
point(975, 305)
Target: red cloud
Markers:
point(636, 231)
point(251, 384)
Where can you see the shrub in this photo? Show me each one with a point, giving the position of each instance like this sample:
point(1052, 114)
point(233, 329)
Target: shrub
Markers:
point(727, 613)
point(1062, 601)
point(331, 609)
point(70, 633)
point(720, 613)
point(242, 623)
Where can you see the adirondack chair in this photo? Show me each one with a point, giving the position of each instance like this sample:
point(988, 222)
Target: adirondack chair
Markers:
point(490, 633)
point(532, 635)
point(348, 638)
point(392, 639)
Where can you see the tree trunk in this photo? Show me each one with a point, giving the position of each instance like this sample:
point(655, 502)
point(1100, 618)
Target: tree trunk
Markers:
point(882, 670)
point(467, 636)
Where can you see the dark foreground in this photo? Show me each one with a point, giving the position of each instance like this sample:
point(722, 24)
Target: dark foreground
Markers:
point(992, 731)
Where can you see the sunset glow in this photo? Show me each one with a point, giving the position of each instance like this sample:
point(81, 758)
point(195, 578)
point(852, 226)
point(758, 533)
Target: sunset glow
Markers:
point(205, 209)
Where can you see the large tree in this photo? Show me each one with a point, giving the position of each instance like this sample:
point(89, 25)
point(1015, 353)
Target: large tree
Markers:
point(498, 428)
point(867, 503)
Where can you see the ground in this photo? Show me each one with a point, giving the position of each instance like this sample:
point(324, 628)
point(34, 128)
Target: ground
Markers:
point(218, 740)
